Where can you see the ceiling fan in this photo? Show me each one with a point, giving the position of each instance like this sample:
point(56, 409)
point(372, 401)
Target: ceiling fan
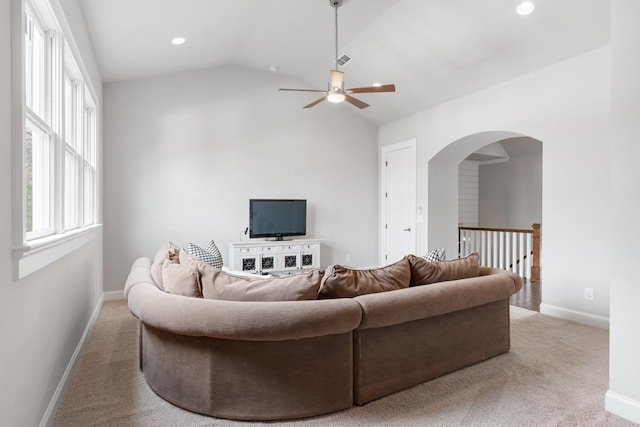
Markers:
point(336, 92)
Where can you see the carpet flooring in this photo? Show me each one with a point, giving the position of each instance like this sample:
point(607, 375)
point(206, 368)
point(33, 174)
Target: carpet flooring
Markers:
point(556, 374)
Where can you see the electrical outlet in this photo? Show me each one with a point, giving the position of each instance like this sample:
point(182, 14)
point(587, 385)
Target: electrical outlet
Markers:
point(588, 294)
point(348, 257)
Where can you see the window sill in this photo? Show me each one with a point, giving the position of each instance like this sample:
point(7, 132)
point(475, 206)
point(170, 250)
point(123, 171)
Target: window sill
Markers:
point(39, 253)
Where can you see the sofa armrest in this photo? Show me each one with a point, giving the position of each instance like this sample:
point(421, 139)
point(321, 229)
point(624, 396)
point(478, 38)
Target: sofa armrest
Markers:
point(139, 273)
point(517, 280)
point(239, 320)
point(420, 302)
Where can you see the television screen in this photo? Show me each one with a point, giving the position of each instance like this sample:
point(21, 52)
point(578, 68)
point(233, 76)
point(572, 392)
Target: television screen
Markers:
point(277, 218)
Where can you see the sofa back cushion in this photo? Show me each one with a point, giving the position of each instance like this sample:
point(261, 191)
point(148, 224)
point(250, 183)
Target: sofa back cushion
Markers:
point(167, 251)
point(424, 272)
point(181, 280)
point(221, 285)
point(346, 282)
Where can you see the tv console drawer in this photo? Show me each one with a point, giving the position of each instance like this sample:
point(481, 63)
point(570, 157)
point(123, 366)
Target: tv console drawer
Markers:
point(250, 250)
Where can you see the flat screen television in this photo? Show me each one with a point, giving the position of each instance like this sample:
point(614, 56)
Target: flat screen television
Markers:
point(277, 218)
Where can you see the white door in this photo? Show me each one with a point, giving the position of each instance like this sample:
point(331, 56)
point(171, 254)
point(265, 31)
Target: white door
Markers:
point(398, 201)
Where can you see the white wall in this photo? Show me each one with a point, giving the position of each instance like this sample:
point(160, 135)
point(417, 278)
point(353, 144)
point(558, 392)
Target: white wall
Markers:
point(623, 397)
point(511, 192)
point(567, 106)
point(42, 317)
point(184, 153)
point(468, 193)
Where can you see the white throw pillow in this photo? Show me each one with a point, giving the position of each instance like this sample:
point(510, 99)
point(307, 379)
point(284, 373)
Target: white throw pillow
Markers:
point(435, 255)
point(210, 254)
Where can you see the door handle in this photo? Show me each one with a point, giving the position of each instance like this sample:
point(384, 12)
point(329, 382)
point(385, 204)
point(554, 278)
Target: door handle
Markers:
point(407, 229)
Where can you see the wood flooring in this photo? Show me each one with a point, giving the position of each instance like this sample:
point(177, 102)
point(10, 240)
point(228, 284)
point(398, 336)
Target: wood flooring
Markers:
point(529, 296)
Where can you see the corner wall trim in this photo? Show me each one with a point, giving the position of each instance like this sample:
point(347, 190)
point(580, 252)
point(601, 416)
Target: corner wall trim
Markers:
point(622, 406)
point(58, 395)
point(576, 316)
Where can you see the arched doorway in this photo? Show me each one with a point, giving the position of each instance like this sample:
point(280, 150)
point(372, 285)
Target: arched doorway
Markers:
point(506, 163)
point(500, 185)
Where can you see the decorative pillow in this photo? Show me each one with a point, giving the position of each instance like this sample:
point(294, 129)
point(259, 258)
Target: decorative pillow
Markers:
point(424, 272)
point(181, 280)
point(435, 255)
point(215, 252)
point(210, 254)
point(188, 260)
point(218, 284)
point(345, 282)
point(166, 251)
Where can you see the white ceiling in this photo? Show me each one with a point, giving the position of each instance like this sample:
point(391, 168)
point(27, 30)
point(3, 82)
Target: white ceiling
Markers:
point(433, 50)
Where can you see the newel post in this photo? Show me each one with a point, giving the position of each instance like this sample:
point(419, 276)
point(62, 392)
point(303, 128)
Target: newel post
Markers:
point(535, 267)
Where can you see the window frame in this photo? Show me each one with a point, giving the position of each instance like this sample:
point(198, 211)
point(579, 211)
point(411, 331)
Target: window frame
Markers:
point(41, 127)
point(33, 250)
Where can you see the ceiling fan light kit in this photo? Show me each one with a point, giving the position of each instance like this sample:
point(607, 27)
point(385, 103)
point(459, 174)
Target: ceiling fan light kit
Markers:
point(525, 7)
point(336, 92)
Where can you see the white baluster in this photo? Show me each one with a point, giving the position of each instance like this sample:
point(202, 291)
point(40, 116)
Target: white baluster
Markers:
point(511, 256)
point(523, 252)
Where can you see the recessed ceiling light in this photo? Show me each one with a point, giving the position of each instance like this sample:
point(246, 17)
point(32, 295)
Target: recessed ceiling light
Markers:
point(178, 40)
point(376, 84)
point(274, 68)
point(525, 7)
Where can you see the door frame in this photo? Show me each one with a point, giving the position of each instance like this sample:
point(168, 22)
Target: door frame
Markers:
point(411, 146)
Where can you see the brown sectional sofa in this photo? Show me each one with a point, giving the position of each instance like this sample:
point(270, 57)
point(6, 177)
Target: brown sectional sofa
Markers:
point(291, 359)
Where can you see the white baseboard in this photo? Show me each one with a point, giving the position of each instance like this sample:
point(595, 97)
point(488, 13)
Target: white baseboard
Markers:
point(58, 395)
point(622, 406)
point(113, 295)
point(576, 316)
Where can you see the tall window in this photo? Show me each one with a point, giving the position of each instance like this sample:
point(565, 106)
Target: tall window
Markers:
point(35, 62)
point(60, 142)
point(89, 163)
point(38, 181)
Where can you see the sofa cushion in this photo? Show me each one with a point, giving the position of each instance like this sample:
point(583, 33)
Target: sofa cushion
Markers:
point(221, 285)
point(181, 280)
point(210, 254)
point(166, 251)
point(188, 260)
point(346, 282)
point(424, 272)
point(246, 273)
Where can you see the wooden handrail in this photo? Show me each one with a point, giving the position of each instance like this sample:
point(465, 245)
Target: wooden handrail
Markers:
point(535, 245)
point(505, 230)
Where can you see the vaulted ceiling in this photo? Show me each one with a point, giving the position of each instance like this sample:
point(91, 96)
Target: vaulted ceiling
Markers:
point(433, 50)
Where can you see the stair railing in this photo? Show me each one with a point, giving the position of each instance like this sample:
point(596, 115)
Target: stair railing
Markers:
point(510, 249)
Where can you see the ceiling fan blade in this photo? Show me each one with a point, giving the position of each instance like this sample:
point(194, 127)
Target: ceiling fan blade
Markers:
point(305, 90)
point(353, 101)
point(373, 89)
point(316, 102)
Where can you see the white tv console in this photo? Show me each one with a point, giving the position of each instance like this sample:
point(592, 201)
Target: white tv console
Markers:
point(280, 257)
